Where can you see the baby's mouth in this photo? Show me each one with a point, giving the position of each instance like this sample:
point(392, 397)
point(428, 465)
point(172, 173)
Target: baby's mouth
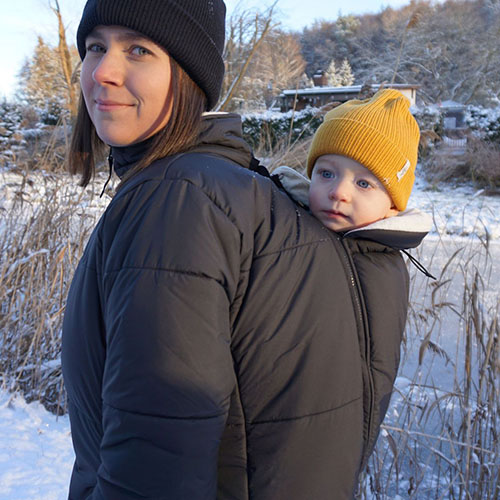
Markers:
point(334, 214)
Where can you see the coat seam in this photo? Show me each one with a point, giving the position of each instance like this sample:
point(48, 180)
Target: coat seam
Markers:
point(161, 180)
point(293, 247)
point(192, 417)
point(162, 269)
point(289, 419)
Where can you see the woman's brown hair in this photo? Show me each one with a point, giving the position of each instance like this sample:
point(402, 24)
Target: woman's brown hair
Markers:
point(180, 133)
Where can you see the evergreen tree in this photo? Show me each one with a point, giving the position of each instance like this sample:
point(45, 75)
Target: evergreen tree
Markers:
point(333, 77)
point(10, 122)
point(42, 83)
point(345, 74)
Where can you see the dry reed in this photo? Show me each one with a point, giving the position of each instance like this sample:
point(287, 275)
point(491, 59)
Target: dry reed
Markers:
point(44, 228)
point(440, 438)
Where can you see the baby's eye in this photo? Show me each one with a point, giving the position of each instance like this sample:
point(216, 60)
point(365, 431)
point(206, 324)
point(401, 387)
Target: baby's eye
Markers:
point(139, 51)
point(326, 174)
point(364, 184)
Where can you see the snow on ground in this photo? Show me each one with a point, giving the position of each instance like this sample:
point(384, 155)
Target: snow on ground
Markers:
point(459, 211)
point(36, 456)
point(35, 447)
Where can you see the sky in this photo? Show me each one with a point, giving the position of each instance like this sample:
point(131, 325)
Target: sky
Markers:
point(22, 21)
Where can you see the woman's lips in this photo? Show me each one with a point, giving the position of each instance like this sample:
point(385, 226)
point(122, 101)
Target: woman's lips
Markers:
point(105, 105)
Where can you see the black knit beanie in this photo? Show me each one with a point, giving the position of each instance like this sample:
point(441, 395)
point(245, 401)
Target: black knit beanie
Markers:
point(191, 31)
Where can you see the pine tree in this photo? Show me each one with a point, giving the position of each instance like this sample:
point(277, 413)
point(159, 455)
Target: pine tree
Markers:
point(333, 76)
point(10, 122)
point(42, 83)
point(345, 74)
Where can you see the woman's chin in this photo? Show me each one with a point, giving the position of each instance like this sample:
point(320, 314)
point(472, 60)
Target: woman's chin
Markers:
point(117, 140)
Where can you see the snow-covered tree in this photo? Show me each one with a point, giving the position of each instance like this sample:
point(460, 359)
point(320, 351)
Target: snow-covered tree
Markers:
point(10, 121)
point(42, 83)
point(342, 77)
point(332, 75)
point(345, 74)
point(327, 38)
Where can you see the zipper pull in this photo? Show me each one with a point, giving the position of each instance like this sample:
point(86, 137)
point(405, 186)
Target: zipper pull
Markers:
point(110, 163)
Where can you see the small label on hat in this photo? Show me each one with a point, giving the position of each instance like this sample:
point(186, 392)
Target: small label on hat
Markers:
point(403, 171)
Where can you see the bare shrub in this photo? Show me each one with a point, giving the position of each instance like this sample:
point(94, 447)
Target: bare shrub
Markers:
point(479, 163)
point(292, 155)
point(483, 160)
point(442, 165)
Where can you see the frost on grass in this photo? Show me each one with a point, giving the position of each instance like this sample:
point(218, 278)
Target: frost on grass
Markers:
point(439, 438)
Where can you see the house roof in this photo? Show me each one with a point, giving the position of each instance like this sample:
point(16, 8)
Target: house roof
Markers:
point(451, 105)
point(354, 89)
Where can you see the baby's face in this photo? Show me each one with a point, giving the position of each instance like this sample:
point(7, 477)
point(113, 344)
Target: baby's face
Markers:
point(345, 195)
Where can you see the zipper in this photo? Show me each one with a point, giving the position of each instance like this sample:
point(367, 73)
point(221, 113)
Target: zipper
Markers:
point(363, 323)
point(110, 164)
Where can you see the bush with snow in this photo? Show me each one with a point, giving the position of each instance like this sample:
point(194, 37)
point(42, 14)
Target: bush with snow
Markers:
point(271, 128)
point(428, 118)
point(484, 122)
point(10, 124)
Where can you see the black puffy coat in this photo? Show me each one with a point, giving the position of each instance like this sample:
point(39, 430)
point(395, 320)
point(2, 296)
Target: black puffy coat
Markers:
point(219, 342)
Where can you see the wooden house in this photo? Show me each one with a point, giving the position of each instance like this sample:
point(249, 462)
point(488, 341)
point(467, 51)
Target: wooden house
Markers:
point(322, 95)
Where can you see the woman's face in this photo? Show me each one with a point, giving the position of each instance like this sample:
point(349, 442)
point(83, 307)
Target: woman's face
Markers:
point(125, 82)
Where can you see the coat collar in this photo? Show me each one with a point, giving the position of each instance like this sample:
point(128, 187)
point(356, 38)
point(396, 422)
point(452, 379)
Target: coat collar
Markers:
point(126, 157)
point(220, 133)
point(405, 230)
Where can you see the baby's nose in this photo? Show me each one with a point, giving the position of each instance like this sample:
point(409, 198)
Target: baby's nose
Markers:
point(340, 191)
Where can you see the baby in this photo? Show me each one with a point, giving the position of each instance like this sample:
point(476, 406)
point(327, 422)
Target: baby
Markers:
point(361, 166)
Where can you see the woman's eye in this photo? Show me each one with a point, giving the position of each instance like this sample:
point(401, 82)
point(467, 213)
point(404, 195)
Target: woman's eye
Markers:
point(94, 47)
point(140, 51)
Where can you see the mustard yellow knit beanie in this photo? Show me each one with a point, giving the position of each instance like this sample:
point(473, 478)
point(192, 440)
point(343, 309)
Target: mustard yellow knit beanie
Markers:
point(380, 133)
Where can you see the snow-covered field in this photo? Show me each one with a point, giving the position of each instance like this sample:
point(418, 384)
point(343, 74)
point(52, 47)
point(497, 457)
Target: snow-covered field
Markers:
point(35, 451)
point(35, 446)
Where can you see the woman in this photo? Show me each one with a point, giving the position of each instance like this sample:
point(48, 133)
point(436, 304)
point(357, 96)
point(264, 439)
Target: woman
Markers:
point(210, 348)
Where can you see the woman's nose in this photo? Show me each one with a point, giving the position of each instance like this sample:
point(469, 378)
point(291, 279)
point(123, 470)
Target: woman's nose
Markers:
point(109, 70)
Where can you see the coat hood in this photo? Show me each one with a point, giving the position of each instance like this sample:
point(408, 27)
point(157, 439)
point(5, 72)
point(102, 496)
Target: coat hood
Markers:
point(221, 134)
point(405, 230)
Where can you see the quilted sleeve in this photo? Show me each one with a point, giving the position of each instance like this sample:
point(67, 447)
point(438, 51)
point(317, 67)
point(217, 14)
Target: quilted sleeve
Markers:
point(171, 268)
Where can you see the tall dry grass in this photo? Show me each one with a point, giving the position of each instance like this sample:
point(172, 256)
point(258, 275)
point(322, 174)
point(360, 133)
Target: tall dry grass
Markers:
point(45, 221)
point(440, 439)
